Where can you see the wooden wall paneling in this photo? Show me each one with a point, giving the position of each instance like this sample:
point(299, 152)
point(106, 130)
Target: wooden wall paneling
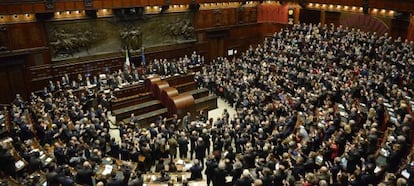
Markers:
point(126, 3)
point(26, 35)
point(399, 28)
point(39, 77)
point(14, 9)
point(5, 85)
point(198, 22)
point(60, 6)
point(205, 19)
point(39, 7)
point(4, 37)
point(332, 17)
point(70, 5)
point(202, 49)
point(107, 4)
point(98, 4)
point(19, 37)
point(116, 4)
point(180, 2)
point(309, 16)
point(27, 8)
point(3, 9)
point(17, 81)
point(79, 5)
point(224, 17)
point(233, 17)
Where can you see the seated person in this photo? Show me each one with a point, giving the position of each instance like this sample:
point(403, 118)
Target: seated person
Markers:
point(164, 176)
point(196, 171)
point(172, 167)
point(160, 166)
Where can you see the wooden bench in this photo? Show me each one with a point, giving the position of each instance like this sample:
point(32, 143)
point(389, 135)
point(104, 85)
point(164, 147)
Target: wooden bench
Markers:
point(142, 108)
point(206, 103)
point(144, 120)
point(175, 81)
point(130, 90)
point(131, 100)
point(198, 93)
point(185, 87)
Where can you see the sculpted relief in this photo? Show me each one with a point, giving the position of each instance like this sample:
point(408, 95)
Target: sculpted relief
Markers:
point(181, 28)
point(68, 42)
point(87, 37)
point(131, 38)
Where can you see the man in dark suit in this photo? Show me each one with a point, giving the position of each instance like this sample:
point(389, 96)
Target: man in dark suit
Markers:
point(211, 165)
point(220, 175)
point(245, 180)
point(183, 146)
point(196, 171)
point(200, 150)
point(114, 181)
point(84, 174)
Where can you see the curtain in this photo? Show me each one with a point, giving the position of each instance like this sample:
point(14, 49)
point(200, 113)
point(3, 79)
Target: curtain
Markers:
point(272, 13)
point(410, 34)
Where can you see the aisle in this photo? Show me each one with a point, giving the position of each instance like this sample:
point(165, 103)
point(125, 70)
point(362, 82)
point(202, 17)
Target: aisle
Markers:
point(221, 105)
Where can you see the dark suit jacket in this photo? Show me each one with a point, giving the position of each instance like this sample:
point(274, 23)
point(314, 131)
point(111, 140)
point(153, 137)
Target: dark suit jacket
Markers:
point(219, 177)
point(244, 182)
point(84, 176)
point(196, 172)
point(114, 182)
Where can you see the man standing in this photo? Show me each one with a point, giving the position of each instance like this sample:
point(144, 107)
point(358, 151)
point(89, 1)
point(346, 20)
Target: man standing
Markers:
point(183, 145)
point(200, 150)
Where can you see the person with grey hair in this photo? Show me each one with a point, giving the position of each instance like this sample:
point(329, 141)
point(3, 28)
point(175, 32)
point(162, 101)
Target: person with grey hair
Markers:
point(245, 180)
point(196, 170)
point(220, 174)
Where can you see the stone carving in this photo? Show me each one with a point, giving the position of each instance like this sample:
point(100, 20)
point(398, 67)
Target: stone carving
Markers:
point(181, 28)
point(65, 43)
point(131, 38)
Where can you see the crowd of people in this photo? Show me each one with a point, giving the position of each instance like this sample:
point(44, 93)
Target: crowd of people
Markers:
point(63, 131)
point(315, 105)
point(318, 105)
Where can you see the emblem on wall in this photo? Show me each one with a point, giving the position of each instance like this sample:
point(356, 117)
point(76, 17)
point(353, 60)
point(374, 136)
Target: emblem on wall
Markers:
point(88, 3)
point(50, 4)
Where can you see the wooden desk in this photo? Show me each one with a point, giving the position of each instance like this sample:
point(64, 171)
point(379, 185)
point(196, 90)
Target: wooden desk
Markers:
point(176, 177)
point(107, 163)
